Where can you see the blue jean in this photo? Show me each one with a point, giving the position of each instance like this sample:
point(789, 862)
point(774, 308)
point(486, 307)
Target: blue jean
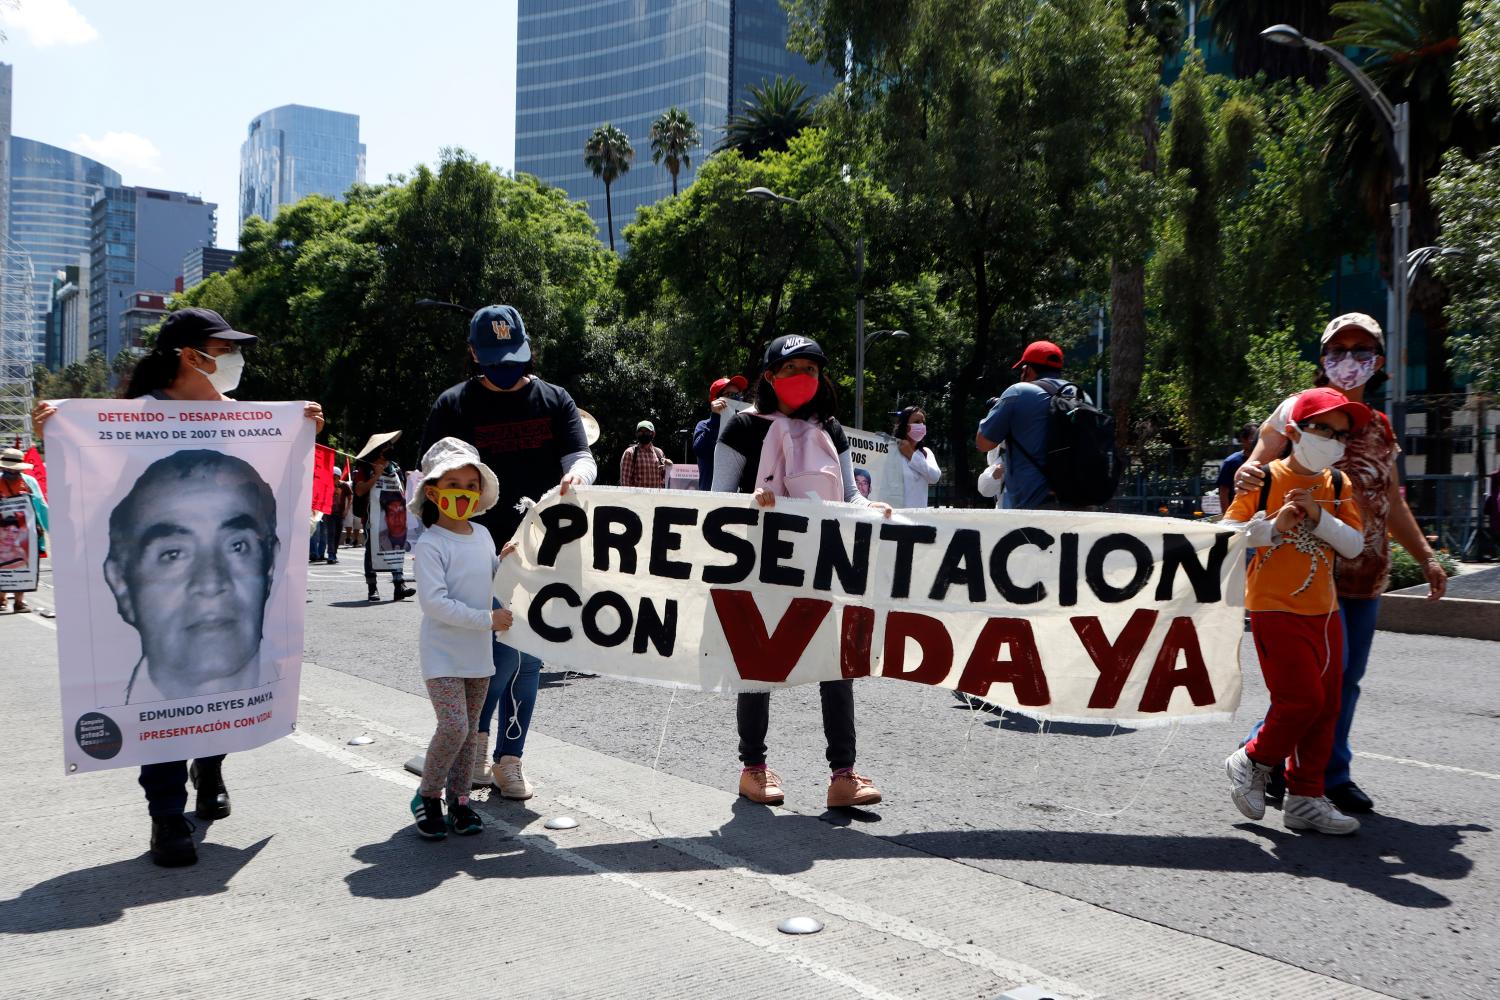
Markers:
point(517, 678)
point(1358, 616)
point(318, 547)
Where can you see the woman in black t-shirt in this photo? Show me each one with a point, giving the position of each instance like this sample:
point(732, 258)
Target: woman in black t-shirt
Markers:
point(792, 383)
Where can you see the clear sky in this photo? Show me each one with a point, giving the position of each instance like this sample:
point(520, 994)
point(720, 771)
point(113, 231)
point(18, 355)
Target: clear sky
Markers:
point(163, 90)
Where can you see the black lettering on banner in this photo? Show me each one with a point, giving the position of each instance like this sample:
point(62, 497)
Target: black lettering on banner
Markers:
point(665, 540)
point(1000, 565)
point(651, 627)
point(774, 548)
point(963, 564)
point(564, 523)
point(742, 549)
point(617, 528)
point(1093, 570)
point(1178, 553)
point(906, 537)
point(552, 591)
point(1067, 571)
point(853, 568)
point(614, 602)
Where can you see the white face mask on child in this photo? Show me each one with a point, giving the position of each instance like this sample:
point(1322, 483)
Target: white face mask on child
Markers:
point(1317, 453)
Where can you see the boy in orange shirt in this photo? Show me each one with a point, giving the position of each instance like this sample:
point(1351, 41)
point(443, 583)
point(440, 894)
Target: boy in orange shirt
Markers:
point(1297, 523)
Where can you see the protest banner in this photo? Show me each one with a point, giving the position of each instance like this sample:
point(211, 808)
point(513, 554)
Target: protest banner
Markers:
point(385, 528)
point(180, 570)
point(1067, 616)
point(322, 488)
point(878, 472)
point(19, 545)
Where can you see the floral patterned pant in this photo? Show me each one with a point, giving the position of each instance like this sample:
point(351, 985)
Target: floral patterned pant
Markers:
point(450, 755)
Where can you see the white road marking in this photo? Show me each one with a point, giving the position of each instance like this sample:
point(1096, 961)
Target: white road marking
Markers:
point(1431, 767)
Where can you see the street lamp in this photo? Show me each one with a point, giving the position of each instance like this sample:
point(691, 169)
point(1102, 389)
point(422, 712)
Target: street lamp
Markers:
point(439, 304)
point(855, 254)
point(1420, 257)
point(1395, 122)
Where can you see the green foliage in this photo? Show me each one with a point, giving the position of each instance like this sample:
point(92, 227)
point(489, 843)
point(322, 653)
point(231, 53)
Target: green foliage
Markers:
point(1276, 367)
point(1237, 25)
point(91, 378)
point(771, 119)
point(1476, 77)
point(608, 153)
point(1407, 572)
point(673, 138)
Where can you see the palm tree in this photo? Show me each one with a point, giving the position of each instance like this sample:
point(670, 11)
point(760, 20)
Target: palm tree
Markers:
point(673, 135)
point(608, 154)
point(1238, 24)
point(771, 119)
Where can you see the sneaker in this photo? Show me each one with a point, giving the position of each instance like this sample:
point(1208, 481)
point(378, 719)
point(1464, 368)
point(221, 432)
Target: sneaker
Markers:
point(1276, 785)
point(1247, 783)
point(847, 789)
point(429, 817)
point(1350, 799)
point(482, 760)
point(1307, 812)
point(172, 842)
point(374, 598)
point(213, 797)
point(509, 779)
point(402, 593)
point(762, 785)
point(462, 820)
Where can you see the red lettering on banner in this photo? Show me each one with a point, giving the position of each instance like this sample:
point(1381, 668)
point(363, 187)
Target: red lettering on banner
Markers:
point(856, 638)
point(1114, 660)
point(931, 636)
point(1166, 676)
point(757, 655)
point(1023, 671)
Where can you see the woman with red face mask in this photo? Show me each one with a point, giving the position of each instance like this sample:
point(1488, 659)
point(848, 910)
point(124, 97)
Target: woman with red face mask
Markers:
point(791, 445)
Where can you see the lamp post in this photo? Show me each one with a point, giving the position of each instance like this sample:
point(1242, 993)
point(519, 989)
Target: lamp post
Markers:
point(855, 254)
point(1395, 122)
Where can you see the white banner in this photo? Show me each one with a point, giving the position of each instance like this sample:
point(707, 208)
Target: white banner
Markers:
point(180, 564)
point(18, 545)
point(1079, 617)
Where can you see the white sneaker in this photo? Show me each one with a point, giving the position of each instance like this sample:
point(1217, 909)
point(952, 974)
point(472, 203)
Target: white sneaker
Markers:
point(509, 779)
point(1247, 783)
point(481, 760)
point(1306, 812)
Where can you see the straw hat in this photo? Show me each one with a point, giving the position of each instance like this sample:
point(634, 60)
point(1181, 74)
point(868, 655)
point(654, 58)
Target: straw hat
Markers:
point(11, 459)
point(590, 426)
point(376, 442)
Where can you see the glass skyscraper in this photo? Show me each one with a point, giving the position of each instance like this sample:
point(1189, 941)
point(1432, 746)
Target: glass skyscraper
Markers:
point(581, 63)
point(294, 151)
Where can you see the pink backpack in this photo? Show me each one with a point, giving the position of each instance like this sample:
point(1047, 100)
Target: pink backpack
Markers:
point(798, 460)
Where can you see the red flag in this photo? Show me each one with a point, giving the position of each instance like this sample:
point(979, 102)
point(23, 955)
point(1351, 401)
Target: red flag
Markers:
point(322, 491)
point(38, 468)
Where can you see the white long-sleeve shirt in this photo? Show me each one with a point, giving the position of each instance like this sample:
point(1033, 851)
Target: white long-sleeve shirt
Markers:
point(991, 485)
point(455, 588)
point(917, 473)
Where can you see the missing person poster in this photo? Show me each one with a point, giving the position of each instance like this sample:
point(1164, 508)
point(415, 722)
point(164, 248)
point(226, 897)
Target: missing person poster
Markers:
point(1068, 616)
point(386, 530)
point(18, 545)
point(878, 466)
point(180, 568)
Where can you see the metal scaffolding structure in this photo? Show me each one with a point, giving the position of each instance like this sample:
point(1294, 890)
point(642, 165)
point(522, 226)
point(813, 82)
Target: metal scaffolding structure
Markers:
point(17, 324)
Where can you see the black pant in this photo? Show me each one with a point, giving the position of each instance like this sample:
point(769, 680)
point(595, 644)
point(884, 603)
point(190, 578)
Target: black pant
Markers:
point(166, 784)
point(753, 714)
point(398, 577)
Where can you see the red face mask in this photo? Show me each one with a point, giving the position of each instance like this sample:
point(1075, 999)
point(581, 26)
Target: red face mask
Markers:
point(796, 391)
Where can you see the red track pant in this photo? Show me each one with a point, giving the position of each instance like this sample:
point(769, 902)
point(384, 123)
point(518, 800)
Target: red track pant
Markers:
point(1301, 658)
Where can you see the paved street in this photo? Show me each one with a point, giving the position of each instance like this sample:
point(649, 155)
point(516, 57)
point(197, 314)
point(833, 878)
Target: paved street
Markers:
point(1087, 861)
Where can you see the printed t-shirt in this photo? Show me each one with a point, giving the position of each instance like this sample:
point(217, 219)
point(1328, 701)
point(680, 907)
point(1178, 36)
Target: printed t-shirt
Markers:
point(522, 436)
point(1295, 575)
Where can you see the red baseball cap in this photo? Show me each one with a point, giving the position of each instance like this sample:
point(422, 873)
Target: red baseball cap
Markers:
point(736, 382)
point(1041, 352)
point(1316, 402)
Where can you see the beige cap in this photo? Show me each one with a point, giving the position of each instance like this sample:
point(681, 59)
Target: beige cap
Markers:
point(1359, 321)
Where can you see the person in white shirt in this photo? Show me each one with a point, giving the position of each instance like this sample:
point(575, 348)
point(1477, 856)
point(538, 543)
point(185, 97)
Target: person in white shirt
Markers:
point(992, 480)
point(455, 566)
point(919, 469)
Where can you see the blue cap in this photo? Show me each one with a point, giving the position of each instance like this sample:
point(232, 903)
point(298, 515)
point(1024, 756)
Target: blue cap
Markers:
point(498, 335)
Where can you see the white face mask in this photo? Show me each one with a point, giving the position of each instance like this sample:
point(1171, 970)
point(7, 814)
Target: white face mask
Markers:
point(225, 377)
point(1317, 453)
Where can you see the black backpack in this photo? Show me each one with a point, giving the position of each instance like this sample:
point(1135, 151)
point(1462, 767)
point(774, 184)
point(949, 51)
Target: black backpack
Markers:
point(1083, 466)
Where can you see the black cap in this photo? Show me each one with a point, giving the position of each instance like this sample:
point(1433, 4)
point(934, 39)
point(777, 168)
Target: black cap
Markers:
point(789, 347)
point(191, 327)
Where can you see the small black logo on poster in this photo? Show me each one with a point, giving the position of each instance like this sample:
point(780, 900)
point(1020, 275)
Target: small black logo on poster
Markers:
point(98, 736)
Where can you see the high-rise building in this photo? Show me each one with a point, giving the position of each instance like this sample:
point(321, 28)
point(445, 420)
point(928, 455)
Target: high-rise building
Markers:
point(582, 63)
point(294, 151)
point(200, 262)
point(140, 236)
point(68, 317)
point(142, 309)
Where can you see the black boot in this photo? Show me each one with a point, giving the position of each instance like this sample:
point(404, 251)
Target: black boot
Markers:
point(213, 797)
point(172, 842)
point(402, 592)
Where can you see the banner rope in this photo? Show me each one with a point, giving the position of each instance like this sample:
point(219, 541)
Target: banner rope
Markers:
point(1112, 814)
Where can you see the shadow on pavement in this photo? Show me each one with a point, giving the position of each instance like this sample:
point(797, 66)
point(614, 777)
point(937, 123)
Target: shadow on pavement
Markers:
point(404, 865)
point(93, 897)
point(1013, 723)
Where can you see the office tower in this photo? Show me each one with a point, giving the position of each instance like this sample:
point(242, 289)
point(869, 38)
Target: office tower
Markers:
point(68, 317)
point(581, 63)
point(294, 151)
point(140, 236)
point(200, 262)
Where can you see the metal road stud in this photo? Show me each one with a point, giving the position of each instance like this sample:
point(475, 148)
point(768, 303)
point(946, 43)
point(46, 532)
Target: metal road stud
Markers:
point(800, 925)
point(362, 740)
point(561, 823)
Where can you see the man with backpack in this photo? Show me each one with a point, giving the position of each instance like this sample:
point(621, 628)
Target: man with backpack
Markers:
point(1060, 447)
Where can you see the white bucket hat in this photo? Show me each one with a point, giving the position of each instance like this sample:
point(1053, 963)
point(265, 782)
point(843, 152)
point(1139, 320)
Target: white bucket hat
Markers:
point(450, 453)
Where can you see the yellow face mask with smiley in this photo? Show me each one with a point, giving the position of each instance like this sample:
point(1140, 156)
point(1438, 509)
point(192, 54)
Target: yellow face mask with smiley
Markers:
point(457, 504)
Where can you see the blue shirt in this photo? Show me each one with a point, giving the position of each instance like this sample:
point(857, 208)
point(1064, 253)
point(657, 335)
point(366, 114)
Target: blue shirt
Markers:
point(1228, 468)
point(1022, 415)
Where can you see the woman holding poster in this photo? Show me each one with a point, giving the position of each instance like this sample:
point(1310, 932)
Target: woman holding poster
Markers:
point(23, 527)
point(196, 358)
point(790, 444)
point(380, 500)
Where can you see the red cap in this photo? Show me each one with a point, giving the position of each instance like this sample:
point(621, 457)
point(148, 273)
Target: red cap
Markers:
point(1316, 402)
point(1041, 352)
point(736, 381)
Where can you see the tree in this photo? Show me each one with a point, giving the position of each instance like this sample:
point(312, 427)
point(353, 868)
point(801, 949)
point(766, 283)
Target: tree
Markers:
point(773, 116)
point(1237, 25)
point(92, 378)
point(673, 137)
point(608, 154)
